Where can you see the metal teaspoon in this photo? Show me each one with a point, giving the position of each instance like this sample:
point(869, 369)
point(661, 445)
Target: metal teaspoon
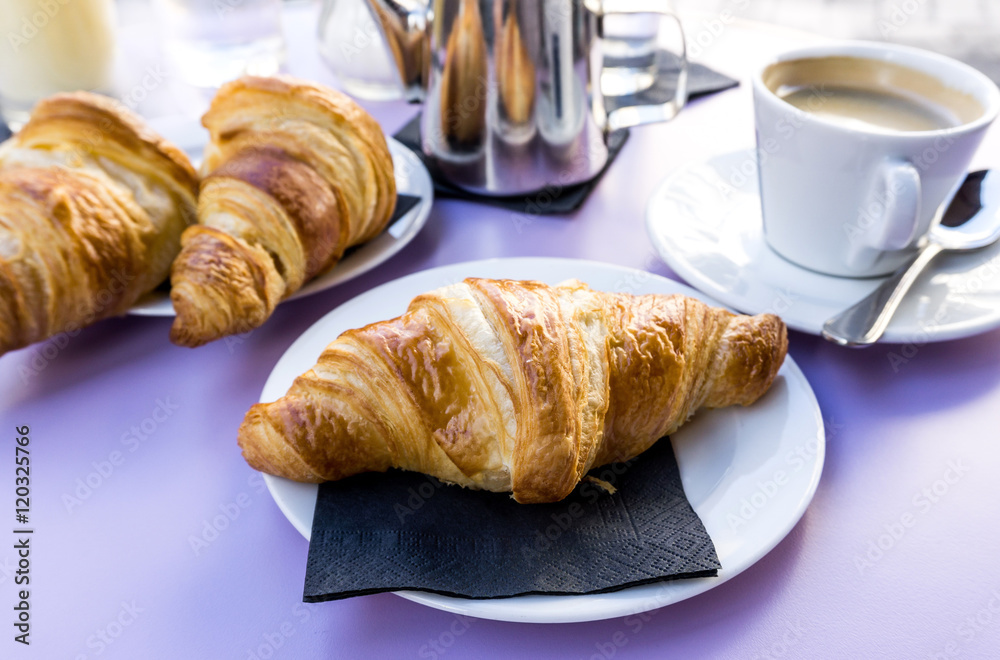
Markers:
point(972, 221)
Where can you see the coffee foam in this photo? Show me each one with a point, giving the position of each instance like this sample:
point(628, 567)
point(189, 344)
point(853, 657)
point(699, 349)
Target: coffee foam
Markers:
point(846, 72)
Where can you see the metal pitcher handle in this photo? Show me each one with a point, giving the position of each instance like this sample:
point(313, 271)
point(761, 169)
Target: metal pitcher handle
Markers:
point(656, 112)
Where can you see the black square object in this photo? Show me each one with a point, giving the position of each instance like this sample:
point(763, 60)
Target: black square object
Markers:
point(374, 533)
point(701, 81)
point(403, 205)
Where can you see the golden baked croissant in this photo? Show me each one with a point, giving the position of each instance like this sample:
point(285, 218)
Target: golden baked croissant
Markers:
point(92, 206)
point(295, 174)
point(512, 386)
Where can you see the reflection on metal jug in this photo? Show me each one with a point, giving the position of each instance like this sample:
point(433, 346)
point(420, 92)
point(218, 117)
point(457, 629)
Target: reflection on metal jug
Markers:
point(511, 89)
point(464, 82)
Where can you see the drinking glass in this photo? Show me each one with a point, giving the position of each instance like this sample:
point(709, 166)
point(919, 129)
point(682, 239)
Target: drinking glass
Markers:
point(209, 42)
point(51, 47)
point(352, 44)
point(637, 48)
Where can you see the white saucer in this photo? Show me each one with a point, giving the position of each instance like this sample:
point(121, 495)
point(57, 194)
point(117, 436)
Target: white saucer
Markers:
point(705, 222)
point(723, 455)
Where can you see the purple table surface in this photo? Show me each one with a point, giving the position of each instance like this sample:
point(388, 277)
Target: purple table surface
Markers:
point(153, 539)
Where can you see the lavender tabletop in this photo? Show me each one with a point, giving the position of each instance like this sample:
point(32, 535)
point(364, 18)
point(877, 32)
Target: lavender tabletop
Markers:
point(152, 538)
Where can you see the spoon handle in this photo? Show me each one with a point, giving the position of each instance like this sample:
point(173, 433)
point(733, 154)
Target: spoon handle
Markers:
point(863, 324)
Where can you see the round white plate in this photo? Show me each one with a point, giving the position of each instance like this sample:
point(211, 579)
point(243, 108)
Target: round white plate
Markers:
point(748, 472)
point(705, 222)
point(412, 178)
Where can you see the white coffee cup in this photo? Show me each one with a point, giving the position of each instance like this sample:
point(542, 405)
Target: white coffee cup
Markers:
point(860, 147)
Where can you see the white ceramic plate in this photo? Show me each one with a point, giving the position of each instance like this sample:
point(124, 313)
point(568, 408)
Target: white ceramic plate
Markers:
point(705, 222)
point(748, 472)
point(412, 178)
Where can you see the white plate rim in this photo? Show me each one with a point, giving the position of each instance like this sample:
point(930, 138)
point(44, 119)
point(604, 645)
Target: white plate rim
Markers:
point(291, 496)
point(412, 178)
point(900, 331)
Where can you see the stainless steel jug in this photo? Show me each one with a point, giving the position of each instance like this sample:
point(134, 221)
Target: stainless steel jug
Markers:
point(511, 88)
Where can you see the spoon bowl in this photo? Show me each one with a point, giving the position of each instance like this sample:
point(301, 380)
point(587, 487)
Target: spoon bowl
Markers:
point(971, 222)
point(973, 218)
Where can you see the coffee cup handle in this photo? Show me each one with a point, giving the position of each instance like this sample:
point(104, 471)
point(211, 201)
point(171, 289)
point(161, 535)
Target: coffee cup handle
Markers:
point(890, 218)
point(635, 115)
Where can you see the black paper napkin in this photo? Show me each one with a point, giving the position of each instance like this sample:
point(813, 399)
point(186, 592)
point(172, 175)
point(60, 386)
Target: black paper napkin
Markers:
point(403, 205)
point(701, 81)
point(398, 530)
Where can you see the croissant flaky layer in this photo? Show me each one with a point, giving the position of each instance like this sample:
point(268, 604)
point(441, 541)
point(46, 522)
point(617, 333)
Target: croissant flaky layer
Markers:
point(92, 206)
point(512, 386)
point(295, 174)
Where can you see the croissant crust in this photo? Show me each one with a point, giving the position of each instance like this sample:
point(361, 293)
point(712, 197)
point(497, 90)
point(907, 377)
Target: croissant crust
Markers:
point(92, 206)
point(512, 386)
point(295, 174)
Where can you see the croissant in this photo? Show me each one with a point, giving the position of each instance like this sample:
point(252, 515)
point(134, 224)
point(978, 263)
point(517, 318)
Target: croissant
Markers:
point(92, 206)
point(512, 386)
point(295, 174)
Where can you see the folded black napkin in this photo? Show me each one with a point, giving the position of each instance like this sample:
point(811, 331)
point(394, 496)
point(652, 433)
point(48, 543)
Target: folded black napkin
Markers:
point(701, 81)
point(403, 205)
point(4, 131)
point(386, 532)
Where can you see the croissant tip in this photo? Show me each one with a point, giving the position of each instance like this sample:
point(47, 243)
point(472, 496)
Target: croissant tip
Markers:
point(181, 336)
